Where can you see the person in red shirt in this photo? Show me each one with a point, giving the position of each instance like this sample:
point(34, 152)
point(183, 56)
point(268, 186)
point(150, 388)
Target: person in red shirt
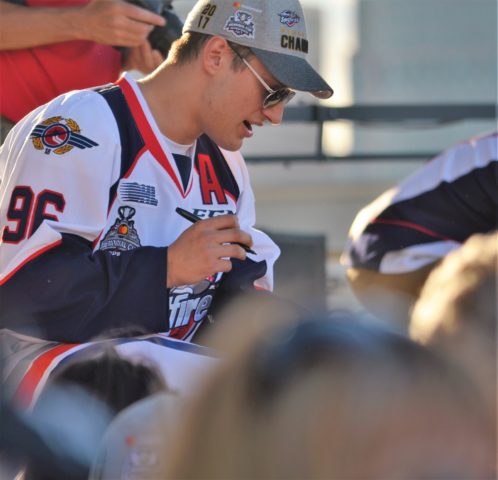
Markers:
point(49, 47)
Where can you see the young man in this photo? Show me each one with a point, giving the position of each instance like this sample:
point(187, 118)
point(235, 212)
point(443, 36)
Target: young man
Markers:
point(91, 181)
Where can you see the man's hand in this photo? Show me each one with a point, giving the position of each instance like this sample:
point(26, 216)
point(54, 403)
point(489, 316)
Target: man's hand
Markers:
point(116, 22)
point(204, 249)
point(108, 22)
point(142, 58)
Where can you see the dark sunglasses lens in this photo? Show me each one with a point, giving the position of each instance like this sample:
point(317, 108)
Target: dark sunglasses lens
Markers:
point(280, 95)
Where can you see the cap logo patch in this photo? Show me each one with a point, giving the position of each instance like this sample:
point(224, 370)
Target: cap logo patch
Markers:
point(289, 18)
point(59, 135)
point(241, 24)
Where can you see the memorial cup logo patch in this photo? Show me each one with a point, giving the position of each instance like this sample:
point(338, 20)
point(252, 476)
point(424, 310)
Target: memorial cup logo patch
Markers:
point(289, 18)
point(241, 24)
point(122, 236)
point(59, 135)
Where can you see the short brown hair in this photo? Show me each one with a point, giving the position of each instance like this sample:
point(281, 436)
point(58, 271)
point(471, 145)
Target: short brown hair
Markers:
point(188, 46)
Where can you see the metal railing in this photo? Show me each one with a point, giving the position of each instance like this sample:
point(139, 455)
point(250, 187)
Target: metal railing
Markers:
point(436, 115)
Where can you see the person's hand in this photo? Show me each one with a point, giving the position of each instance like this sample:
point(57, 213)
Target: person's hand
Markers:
point(204, 249)
point(142, 58)
point(117, 23)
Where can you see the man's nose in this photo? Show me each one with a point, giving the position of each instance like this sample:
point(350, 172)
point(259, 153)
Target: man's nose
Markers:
point(275, 113)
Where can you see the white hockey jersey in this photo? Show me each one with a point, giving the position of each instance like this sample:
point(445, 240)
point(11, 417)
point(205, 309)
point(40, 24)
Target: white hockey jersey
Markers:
point(87, 211)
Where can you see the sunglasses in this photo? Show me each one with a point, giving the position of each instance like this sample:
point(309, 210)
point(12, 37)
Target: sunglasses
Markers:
point(274, 97)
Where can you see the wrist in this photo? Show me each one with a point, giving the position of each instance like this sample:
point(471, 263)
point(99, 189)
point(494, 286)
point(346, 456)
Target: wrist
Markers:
point(74, 22)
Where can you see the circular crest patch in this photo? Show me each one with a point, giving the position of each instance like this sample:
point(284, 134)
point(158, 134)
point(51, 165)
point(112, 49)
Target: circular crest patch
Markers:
point(59, 135)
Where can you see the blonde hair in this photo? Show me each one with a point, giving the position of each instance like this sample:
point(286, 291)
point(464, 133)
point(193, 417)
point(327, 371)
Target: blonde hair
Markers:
point(333, 400)
point(456, 313)
point(460, 294)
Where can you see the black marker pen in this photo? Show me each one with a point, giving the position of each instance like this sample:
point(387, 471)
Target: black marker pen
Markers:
point(194, 218)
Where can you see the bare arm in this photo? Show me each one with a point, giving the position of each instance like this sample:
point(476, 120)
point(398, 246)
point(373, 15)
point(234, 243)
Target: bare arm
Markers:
point(109, 22)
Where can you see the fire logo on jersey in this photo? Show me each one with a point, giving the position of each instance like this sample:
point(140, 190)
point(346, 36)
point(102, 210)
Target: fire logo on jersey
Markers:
point(122, 236)
point(59, 135)
point(189, 305)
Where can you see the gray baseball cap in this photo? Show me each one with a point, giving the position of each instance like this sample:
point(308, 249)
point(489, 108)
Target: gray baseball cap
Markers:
point(274, 30)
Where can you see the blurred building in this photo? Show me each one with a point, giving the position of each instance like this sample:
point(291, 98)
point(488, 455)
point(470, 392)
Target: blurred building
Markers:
point(424, 52)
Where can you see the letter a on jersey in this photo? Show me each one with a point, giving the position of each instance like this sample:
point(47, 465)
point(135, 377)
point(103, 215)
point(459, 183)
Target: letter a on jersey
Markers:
point(209, 182)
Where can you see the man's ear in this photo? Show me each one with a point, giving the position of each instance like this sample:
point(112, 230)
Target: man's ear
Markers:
point(216, 55)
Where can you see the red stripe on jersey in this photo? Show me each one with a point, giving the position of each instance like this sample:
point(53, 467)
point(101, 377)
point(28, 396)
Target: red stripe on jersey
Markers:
point(146, 131)
point(34, 255)
point(26, 389)
point(413, 226)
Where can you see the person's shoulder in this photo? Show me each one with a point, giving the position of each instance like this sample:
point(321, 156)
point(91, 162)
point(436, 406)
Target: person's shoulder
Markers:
point(79, 112)
point(485, 147)
point(476, 151)
point(86, 102)
point(487, 138)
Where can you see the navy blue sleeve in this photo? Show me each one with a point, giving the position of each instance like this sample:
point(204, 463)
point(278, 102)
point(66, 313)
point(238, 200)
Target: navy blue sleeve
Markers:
point(70, 294)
